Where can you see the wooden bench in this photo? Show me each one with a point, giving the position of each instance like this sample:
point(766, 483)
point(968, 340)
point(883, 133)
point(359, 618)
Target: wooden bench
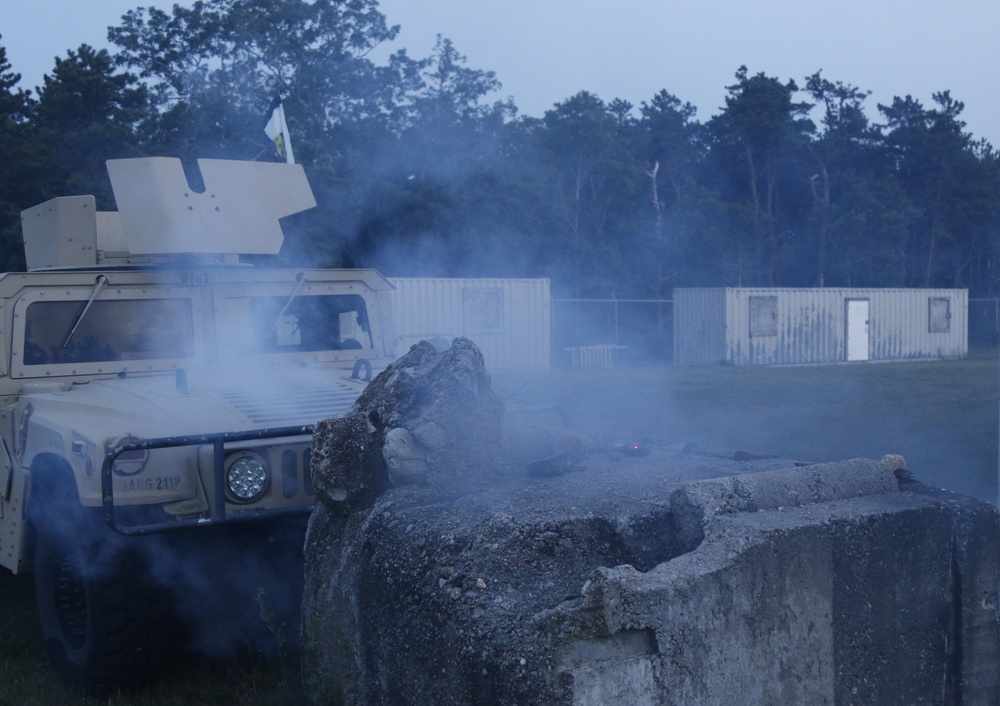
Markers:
point(599, 356)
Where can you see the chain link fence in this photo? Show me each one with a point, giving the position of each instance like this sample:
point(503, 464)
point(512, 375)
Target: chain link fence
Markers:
point(641, 330)
point(628, 330)
point(984, 323)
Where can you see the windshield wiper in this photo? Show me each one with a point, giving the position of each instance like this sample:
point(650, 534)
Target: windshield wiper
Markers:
point(300, 279)
point(98, 286)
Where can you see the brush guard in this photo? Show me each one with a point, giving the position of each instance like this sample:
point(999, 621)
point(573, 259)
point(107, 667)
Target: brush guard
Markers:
point(217, 504)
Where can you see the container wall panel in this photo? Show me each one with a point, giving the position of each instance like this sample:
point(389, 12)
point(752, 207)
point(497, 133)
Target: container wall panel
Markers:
point(901, 324)
point(699, 326)
point(508, 319)
point(783, 326)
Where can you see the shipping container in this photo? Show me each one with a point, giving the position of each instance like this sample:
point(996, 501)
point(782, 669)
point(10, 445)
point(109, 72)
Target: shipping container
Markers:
point(508, 319)
point(783, 326)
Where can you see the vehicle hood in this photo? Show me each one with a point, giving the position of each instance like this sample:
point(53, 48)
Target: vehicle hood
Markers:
point(201, 402)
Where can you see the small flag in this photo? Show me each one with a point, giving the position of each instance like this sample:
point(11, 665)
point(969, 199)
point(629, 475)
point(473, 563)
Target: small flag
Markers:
point(277, 131)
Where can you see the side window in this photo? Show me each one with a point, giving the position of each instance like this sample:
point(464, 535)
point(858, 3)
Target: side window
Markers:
point(110, 330)
point(938, 315)
point(482, 310)
point(302, 323)
point(764, 316)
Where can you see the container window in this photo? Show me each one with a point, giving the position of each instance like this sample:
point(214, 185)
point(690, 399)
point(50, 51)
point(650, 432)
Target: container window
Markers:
point(939, 314)
point(482, 310)
point(764, 316)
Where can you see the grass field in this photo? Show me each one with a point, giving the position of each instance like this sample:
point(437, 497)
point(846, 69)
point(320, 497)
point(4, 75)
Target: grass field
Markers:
point(941, 415)
point(27, 680)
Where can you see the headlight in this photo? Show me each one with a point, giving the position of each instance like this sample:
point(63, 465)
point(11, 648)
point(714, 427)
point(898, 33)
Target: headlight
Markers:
point(247, 476)
point(128, 463)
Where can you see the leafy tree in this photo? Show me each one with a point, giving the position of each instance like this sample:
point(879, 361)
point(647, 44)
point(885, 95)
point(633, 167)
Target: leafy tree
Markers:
point(869, 221)
point(587, 150)
point(419, 169)
point(226, 59)
point(971, 218)
point(756, 142)
point(87, 114)
point(434, 184)
point(984, 268)
point(214, 68)
point(938, 167)
point(452, 92)
point(839, 154)
point(672, 148)
point(21, 164)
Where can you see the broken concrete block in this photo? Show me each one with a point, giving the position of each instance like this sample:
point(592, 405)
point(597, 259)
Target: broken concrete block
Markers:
point(430, 419)
point(671, 577)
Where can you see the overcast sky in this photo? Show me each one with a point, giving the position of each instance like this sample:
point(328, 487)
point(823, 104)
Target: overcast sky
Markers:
point(544, 51)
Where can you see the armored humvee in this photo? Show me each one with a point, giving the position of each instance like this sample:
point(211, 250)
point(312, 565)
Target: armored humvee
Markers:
point(152, 383)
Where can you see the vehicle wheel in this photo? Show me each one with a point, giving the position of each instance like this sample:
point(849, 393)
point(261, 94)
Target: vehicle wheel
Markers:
point(105, 625)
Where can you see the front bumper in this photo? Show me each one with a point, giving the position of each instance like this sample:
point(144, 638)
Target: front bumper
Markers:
point(217, 513)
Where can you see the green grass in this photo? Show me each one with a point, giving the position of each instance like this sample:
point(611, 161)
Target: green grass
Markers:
point(27, 680)
point(941, 415)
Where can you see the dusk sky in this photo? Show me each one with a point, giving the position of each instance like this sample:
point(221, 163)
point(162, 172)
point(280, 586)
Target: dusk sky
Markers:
point(544, 51)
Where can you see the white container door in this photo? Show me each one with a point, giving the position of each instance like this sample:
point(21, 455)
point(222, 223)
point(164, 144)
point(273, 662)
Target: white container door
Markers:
point(857, 329)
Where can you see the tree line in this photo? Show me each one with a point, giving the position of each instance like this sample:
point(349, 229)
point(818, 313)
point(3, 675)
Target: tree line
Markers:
point(420, 171)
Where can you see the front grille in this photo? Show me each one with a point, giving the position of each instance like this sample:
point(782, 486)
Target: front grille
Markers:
point(307, 472)
point(292, 404)
point(289, 473)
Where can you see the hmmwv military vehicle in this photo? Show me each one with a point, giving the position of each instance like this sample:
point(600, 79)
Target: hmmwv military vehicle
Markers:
point(151, 382)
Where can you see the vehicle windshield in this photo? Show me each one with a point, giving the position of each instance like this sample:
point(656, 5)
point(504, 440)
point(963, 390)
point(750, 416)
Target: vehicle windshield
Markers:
point(328, 322)
point(107, 330)
point(110, 330)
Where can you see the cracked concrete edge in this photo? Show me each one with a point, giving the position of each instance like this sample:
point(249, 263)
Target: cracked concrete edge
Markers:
point(622, 599)
point(694, 504)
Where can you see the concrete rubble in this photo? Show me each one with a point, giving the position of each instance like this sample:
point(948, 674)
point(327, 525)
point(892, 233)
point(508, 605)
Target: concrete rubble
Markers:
point(447, 564)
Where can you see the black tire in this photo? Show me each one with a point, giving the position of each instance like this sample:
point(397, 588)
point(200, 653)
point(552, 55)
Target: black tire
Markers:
point(104, 624)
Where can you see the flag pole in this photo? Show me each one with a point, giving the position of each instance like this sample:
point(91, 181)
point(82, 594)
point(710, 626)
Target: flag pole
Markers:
point(276, 130)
